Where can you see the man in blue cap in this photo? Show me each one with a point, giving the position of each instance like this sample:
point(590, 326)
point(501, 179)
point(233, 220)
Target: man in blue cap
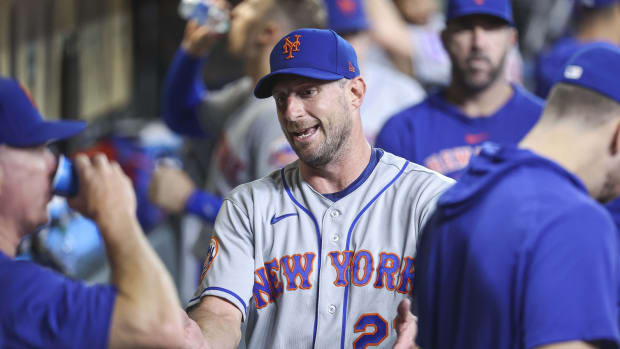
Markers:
point(519, 253)
point(479, 105)
point(42, 309)
point(596, 21)
point(320, 253)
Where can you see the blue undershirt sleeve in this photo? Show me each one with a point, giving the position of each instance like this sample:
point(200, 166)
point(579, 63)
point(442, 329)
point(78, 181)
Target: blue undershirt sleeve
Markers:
point(203, 204)
point(182, 94)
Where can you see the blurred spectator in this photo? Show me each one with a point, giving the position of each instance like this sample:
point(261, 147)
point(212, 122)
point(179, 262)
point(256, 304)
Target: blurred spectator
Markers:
point(43, 309)
point(596, 21)
point(249, 141)
point(429, 62)
point(480, 104)
point(388, 91)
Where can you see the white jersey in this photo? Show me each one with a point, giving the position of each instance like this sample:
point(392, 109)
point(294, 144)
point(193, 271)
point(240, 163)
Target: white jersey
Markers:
point(388, 91)
point(250, 143)
point(307, 272)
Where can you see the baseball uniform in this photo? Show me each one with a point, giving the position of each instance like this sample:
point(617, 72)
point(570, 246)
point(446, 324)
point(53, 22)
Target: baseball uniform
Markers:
point(436, 134)
point(248, 140)
point(321, 271)
point(43, 309)
point(516, 256)
point(388, 91)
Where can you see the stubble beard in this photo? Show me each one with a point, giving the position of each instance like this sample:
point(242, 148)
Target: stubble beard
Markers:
point(470, 86)
point(335, 140)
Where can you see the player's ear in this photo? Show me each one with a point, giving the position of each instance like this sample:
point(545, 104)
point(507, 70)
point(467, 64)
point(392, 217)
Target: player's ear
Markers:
point(514, 36)
point(357, 87)
point(614, 145)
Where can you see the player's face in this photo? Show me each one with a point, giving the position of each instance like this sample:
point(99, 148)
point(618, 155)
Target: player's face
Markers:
point(478, 46)
point(314, 116)
point(245, 18)
point(25, 188)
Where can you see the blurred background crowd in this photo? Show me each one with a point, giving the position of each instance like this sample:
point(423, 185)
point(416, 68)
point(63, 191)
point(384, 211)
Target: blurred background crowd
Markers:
point(173, 105)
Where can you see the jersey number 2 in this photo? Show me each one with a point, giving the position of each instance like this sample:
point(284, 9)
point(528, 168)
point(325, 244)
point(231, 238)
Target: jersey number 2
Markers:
point(374, 328)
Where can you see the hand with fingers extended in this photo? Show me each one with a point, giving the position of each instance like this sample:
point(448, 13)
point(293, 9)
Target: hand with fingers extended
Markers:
point(170, 188)
point(199, 39)
point(406, 326)
point(105, 194)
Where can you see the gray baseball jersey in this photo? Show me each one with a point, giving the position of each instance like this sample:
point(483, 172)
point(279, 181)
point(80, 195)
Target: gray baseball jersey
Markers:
point(307, 272)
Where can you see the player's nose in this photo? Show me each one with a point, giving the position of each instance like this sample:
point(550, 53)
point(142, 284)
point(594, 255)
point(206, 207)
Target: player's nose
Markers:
point(294, 107)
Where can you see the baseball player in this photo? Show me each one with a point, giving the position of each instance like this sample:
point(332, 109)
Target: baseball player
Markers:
point(518, 255)
point(388, 90)
point(596, 21)
point(320, 253)
point(43, 309)
point(247, 137)
point(479, 105)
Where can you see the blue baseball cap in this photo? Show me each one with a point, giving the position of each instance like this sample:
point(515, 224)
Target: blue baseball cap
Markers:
point(346, 16)
point(22, 124)
point(596, 67)
point(497, 8)
point(314, 53)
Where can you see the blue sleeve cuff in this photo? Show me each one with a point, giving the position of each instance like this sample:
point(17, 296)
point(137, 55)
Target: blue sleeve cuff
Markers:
point(204, 205)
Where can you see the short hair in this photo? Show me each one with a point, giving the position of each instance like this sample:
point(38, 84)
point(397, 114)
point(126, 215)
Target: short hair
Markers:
point(300, 13)
point(580, 103)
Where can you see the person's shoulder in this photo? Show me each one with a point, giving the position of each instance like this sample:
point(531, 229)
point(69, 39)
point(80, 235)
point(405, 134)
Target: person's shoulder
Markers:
point(411, 170)
point(525, 98)
point(396, 81)
point(273, 184)
point(411, 114)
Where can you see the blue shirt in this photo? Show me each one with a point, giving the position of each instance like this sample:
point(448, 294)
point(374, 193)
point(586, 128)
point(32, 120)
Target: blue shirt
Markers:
point(43, 309)
point(517, 255)
point(436, 134)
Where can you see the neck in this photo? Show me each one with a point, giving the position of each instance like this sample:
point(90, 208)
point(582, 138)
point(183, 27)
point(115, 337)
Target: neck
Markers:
point(566, 144)
point(343, 170)
point(482, 103)
point(9, 238)
point(599, 31)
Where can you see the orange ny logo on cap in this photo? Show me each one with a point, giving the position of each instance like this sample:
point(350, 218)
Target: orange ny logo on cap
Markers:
point(479, 2)
point(290, 47)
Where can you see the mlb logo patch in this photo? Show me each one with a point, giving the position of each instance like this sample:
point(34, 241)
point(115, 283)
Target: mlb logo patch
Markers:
point(211, 254)
point(573, 72)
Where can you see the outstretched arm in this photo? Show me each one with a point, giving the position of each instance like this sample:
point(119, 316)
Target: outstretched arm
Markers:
point(146, 309)
point(220, 322)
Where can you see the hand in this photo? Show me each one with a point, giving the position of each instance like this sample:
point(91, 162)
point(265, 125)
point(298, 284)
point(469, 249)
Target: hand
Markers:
point(192, 335)
point(170, 188)
point(406, 326)
point(199, 39)
point(105, 193)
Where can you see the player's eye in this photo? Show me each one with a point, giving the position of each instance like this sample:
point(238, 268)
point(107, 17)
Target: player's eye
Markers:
point(280, 99)
point(309, 92)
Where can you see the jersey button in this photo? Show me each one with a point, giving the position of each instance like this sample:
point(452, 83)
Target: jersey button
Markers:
point(331, 309)
point(335, 238)
point(335, 213)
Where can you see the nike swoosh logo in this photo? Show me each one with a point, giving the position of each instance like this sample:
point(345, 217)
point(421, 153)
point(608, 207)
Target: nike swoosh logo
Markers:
point(275, 219)
point(475, 138)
